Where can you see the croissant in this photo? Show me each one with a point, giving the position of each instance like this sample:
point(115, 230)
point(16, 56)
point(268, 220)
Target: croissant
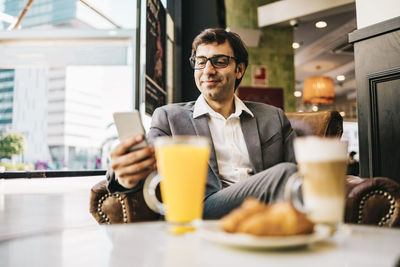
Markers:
point(232, 221)
point(256, 218)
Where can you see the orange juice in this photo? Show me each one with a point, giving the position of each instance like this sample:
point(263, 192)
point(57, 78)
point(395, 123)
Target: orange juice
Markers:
point(183, 168)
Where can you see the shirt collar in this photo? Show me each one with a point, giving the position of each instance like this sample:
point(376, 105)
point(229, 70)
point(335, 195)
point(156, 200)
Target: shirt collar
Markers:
point(240, 107)
point(201, 108)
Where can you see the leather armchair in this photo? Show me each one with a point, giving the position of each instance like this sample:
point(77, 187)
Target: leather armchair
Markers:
point(373, 201)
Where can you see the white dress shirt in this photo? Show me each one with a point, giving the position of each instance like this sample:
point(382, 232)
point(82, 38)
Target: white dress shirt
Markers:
point(230, 147)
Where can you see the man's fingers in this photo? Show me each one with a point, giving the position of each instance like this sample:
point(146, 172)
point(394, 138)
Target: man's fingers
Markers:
point(125, 144)
point(140, 154)
point(131, 167)
point(138, 167)
point(131, 180)
point(132, 157)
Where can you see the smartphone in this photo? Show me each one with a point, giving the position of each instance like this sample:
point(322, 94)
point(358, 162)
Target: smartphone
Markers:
point(128, 124)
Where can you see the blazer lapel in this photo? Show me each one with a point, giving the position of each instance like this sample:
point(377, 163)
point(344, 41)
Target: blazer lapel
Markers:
point(201, 127)
point(252, 139)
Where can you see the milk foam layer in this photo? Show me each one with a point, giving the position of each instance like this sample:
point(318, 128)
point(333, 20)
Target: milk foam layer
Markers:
point(315, 149)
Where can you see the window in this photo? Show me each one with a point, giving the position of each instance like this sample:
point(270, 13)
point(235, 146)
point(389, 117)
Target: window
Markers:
point(62, 75)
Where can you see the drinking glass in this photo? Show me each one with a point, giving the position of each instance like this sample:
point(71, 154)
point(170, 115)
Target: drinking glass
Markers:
point(318, 188)
point(182, 163)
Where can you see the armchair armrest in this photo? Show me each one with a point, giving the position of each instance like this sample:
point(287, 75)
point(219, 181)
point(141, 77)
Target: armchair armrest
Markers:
point(373, 201)
point(115, 208)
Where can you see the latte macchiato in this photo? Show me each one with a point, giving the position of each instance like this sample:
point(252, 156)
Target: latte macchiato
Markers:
point(322, 164)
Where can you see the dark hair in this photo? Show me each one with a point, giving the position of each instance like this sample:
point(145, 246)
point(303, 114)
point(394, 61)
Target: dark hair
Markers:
point(219, 36)
point(352, 153)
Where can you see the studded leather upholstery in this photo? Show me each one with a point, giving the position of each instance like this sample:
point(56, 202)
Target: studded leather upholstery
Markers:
point(373, 201)
point(109, 208)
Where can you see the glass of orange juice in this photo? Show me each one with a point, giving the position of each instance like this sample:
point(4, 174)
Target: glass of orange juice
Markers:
point(182, 163)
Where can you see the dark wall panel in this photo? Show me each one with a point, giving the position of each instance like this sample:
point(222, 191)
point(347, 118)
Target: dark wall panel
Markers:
point(377, 59)
point(196, 16)
point(385, 122)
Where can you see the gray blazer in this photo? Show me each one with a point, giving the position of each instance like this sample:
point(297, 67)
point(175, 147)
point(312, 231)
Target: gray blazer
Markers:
point(268, 136)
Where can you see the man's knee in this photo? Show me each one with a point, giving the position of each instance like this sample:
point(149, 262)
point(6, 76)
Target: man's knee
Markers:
point(287, 168)
point(281, 173)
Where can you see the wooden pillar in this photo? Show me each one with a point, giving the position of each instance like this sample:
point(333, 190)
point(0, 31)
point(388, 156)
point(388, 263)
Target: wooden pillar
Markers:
point(377, 64)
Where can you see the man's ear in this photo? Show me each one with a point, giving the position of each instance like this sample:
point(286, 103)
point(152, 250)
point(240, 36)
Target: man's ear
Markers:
point(240, 69)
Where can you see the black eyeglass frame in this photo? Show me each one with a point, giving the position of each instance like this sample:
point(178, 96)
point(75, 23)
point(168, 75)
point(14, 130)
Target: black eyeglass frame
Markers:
point(193, 59)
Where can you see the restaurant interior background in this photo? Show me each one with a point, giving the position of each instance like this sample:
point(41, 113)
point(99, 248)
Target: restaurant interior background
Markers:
point(70, 64)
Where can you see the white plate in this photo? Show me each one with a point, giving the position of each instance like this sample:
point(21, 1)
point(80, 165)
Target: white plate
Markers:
point(211, 231)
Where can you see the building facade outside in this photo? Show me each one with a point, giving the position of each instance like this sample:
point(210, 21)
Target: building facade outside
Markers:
point(64, 122)
point(6, 98)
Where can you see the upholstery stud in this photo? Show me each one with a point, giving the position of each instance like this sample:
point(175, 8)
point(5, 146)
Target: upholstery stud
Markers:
point(386, 217)
point(120, 200)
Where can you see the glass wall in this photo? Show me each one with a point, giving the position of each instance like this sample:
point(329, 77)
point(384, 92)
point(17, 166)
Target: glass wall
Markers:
point(63, 72)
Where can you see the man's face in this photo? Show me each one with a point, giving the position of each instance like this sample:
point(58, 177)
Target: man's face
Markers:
point(217, 84)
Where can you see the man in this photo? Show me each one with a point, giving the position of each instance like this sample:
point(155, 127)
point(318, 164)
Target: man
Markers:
point(353, 167)
point(252, 143)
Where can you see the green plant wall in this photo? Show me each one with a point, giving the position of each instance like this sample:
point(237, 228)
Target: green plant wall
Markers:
point(274, 50)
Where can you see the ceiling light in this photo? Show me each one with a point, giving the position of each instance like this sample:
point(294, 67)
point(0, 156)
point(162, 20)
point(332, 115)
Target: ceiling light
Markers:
point(321, 24)
point(297, 93)
point(340, 78)
point(295, 45)
point(315, 108)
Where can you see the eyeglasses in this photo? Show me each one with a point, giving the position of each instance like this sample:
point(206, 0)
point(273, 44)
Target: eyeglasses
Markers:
point(218, 61)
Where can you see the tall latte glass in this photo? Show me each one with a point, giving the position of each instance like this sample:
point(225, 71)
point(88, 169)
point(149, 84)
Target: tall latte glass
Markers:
point(322, 165)
point(182, 163)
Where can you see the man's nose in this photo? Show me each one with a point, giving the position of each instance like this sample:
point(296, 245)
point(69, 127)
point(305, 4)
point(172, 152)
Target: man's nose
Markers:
point(209, 68)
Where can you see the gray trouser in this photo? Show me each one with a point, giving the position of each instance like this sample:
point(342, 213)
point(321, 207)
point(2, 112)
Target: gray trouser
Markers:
point(267, 186)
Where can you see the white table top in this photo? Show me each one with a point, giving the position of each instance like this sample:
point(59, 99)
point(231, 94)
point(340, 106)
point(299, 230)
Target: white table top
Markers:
point(43, 229)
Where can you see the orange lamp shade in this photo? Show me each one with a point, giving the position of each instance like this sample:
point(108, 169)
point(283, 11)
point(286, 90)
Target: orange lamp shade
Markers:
point(318, 90)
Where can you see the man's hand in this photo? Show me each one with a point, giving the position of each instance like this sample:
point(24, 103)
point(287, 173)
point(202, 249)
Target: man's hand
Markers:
point(134, 166)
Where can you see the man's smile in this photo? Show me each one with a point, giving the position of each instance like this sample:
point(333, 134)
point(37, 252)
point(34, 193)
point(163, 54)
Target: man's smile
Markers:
point(211, 81)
